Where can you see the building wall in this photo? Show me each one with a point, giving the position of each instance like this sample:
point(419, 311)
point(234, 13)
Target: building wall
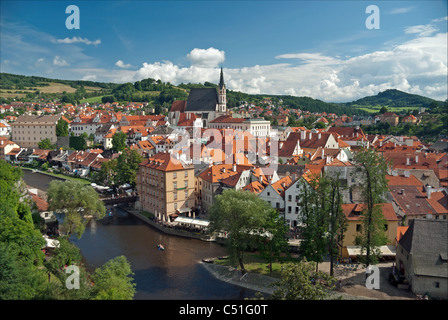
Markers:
point(29, 135)
point(164, 192)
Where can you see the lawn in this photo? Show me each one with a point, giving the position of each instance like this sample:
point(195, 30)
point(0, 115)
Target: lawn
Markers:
point(255, 263)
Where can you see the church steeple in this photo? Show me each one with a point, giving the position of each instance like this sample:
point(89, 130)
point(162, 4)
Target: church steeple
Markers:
point(222, 101)
point(221, 79)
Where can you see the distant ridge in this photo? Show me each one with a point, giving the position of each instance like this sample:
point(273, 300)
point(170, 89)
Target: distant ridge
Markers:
point(138, 92)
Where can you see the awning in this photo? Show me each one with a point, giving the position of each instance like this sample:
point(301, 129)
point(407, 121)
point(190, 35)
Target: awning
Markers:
point(197, 222)
point(388, 250)
point(51, 243)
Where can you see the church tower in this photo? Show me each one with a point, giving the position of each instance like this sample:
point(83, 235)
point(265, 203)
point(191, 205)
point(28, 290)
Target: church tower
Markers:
point(222, 101)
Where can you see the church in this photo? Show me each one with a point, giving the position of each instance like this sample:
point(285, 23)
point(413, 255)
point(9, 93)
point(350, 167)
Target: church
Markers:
point(206, 104)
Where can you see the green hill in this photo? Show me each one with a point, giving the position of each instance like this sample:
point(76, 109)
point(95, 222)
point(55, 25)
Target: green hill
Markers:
point(160, 94)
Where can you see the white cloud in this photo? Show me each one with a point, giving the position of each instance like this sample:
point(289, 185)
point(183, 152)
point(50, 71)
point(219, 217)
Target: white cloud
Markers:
point(210, 57)
point(77, 40)
point(57, 61)
point(421, 30)
point(416, 66)
point(400, 10)
point(121, 64)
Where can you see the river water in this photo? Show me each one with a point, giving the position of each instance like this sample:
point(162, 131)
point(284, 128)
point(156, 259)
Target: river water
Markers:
point(173, 274)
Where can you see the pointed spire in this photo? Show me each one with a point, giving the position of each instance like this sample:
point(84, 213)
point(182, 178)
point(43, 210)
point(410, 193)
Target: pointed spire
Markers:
point(221, 79)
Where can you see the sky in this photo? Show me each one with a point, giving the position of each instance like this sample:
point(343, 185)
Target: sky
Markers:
point(335, 51)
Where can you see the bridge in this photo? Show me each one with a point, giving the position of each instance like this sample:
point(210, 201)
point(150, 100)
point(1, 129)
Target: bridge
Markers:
point(118, 200)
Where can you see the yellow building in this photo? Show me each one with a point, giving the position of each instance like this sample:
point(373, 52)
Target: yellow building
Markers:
point(165, 186)
point(353, 214)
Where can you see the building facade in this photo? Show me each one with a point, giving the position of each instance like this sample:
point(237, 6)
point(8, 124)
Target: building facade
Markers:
point(28, 131)
point(165, 186)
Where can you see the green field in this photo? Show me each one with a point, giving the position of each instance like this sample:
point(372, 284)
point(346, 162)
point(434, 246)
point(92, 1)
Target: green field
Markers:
point(376, 109)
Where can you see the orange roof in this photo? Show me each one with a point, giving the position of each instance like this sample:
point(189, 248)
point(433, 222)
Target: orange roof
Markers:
point(401, 230)
point(281, 185)
point(218, 172)
point(353, 211)
point(164, 162)
point(255, 187)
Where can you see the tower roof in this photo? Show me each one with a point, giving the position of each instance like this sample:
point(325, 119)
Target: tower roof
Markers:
point(221, 79)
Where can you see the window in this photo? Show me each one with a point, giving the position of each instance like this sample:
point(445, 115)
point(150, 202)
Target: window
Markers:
point(186, 174)
point(175, 185)
point(174, 175)
point(186, 183)
point(289, 209)
point(385, 227)
point(290, 198)
point(437, 284)
point(175, 195)
point(358, 228)
point(186, 194)
point(269, 194)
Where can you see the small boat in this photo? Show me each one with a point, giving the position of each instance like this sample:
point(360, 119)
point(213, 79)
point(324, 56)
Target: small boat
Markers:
point(207, 260)
point(160, 247)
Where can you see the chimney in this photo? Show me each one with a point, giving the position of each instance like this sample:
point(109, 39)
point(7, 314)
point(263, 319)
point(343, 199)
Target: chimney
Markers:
point(407, 174)
point(416, 159)
point(319, 135)
point(408, 163)
point(428, 191)
point(323, 153)
point(234, 167)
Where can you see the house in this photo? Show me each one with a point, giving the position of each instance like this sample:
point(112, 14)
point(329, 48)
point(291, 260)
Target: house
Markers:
point(412, 199)
point(165, 186)
point(353, 214)
point(389, 117)
point(422, 257)
point(254, 126)
point(6, 146)
point(274, 193)
point(209, 181)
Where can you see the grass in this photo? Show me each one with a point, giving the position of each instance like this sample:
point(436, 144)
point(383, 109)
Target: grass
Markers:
point(255, 263)
point(97, 99)
point(376, 109)
point(59, 175)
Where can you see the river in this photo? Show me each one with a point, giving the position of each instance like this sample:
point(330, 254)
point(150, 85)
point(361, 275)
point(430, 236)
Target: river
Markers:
point(173, 274)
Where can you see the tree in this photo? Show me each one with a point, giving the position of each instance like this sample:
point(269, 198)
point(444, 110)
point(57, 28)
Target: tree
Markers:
point(314, 196)
point(242, 215)
point(119, 141)
point(300, 281)
point(107, 173)
point(46, 144)
point(113, 281)
point(372, 170)
point(128, 163)
point(337, 224)
point(78, 202)
point(276, 242)
point(62, 128)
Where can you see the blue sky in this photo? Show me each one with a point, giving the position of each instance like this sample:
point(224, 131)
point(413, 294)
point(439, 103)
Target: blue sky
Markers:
point(321, 49)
